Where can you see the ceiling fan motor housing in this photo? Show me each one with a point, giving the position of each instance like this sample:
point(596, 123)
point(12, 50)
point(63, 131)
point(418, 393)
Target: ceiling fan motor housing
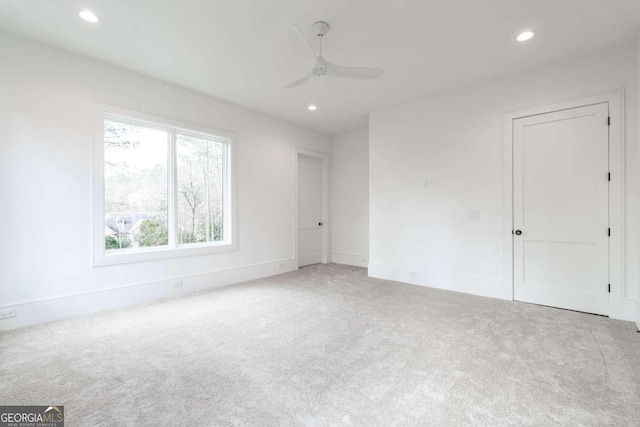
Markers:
point(324, 68)
point(320, 71)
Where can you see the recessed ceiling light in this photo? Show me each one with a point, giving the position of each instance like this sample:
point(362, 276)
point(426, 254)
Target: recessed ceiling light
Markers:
point(88, 16)
point(524, 36)
point(312, 108)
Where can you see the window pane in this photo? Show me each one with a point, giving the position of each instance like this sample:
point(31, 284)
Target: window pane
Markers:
point(135, 185)
point(200, 196)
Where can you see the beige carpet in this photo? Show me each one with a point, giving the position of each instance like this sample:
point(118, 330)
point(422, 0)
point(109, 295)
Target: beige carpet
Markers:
point(328, 346)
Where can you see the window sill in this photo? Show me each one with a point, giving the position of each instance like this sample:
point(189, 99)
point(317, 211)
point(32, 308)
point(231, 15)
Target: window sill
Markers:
point(127, 256)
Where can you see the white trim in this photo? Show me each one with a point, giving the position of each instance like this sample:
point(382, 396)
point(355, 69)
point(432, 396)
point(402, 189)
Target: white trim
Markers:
point(172, 188)
point(172, 250)
point(348, 258)
point(475, 285)
point(324, 159)
point(619, 306)
point(48, 309)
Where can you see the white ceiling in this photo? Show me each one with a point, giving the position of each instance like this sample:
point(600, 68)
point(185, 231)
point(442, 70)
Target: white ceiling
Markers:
point(243, 51)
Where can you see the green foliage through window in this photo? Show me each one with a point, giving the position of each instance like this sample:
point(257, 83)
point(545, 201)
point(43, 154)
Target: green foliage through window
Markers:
point(111, 242)
point(153, 233)
point(138, 187)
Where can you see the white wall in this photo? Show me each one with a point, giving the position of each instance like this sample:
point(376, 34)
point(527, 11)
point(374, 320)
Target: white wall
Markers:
point(637, 259)
point(45, 182)
point(424, 235)
point(350, 197)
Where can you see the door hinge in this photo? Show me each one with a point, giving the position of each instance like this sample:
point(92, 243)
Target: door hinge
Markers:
point(609, 287)
point(609, 232)
point(609, 176)
point(608, 121)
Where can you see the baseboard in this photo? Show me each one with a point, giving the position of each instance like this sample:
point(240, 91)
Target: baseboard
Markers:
point(45, 310)
point(621, 309)
point(306, 259)
point(486, 287)
point(346, 258)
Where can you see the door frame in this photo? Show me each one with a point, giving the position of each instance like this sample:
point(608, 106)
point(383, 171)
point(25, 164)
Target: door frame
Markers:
point(620, 307)
point(323, 158)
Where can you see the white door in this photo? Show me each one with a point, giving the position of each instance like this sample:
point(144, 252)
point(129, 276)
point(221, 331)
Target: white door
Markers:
point(309, 211)
point(561, 209)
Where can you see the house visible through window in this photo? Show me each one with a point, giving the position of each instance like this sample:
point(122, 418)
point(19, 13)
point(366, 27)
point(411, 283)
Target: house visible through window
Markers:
point(165, 188)
point(135, 186)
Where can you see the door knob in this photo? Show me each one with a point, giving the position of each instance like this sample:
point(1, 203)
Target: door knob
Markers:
point(320, 223)
point(518, 232)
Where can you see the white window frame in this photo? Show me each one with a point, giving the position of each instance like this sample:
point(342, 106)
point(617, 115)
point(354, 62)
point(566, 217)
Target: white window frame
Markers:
point(173, 250)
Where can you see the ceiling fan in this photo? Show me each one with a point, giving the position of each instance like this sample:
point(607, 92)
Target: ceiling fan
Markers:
point(326, 68)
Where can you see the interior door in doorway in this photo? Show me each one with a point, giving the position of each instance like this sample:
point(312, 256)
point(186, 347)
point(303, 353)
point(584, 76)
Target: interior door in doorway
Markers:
point(561, 209)
point(309, 211)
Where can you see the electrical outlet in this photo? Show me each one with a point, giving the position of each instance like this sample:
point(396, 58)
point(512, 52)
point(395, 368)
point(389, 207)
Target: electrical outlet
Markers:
point(475, 216)
point(177, 284)
point(363, 259)
point(281, 265)
point(412, 274)
point(429, 182)
point(7, 313)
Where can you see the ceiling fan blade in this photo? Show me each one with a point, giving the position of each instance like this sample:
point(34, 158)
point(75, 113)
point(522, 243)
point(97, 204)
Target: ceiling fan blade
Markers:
point(353, 72)
point(313, 52)
point(299, 82)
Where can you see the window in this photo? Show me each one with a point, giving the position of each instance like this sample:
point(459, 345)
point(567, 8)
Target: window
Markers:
point(161, 188)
